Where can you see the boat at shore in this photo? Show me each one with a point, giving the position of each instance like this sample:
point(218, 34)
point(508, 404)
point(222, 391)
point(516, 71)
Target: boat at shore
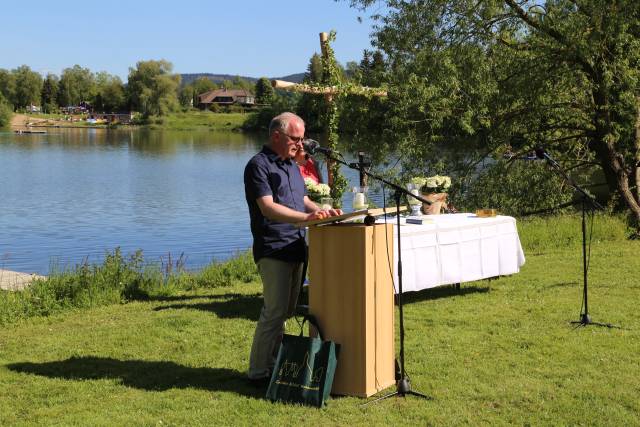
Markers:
point(29, 131)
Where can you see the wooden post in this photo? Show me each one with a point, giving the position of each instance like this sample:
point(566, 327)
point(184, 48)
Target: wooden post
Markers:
point(363, 163)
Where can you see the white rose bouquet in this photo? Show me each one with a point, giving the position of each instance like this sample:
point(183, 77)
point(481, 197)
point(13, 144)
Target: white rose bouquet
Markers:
point(316, 191)
point(432, 184)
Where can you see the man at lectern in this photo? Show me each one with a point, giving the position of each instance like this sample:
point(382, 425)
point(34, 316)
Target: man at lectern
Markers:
point(277, 199)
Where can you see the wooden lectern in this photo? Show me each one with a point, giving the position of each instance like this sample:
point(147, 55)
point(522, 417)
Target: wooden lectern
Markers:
point(351, 295)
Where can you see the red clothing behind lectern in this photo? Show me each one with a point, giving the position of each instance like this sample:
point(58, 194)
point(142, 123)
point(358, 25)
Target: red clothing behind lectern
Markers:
point(309, 170)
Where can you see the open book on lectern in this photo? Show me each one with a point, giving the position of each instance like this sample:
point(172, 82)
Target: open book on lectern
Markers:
point(351, 216)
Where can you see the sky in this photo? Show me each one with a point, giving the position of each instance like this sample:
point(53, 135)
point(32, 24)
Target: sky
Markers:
point(239, 37)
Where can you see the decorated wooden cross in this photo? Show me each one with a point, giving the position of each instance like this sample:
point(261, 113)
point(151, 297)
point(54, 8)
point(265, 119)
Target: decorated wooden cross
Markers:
point(329, 92)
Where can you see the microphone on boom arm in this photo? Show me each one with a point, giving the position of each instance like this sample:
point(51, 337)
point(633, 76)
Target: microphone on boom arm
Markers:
point(312, 146)
point(542, 154)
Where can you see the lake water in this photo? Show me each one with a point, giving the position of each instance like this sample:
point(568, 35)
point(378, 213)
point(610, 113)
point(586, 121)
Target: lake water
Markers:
point(73, 194)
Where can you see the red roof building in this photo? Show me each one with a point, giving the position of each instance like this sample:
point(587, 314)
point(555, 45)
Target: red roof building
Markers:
point(226, 97)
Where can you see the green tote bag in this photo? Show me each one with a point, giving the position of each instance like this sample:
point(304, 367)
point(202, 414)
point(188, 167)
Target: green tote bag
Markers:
point(304, 369)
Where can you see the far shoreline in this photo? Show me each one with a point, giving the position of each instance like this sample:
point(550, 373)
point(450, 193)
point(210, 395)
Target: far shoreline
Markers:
point(185, 121)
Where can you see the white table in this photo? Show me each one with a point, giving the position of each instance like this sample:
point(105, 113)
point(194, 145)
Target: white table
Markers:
point(456, 248)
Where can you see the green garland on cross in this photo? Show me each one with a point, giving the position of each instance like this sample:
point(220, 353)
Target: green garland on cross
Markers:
point(331, 76)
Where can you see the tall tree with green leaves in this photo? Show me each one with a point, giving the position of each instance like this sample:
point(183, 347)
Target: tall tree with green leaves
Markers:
point(49, 93)
point(314, 69)
point(28, 87)
point(153, 88)
point(565, 73)
point(7, 85)
point(310, 105)
point(6, 111)
point(110, 95)
point(77, 85)
point(264, 92)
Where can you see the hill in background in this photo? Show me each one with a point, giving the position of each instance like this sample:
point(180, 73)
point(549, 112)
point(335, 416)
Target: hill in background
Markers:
point(219, 78)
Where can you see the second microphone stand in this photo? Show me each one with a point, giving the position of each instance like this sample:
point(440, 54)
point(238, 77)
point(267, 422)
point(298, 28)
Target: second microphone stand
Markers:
point(586, 199)
point(403, 385)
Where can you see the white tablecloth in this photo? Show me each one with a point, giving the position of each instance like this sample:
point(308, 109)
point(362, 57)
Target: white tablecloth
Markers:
point(456, 248)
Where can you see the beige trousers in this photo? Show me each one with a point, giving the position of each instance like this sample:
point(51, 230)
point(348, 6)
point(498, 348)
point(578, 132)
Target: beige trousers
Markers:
point(281, 285)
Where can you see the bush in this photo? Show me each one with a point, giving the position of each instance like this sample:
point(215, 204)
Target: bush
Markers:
point(515, 188)
point(117, 280)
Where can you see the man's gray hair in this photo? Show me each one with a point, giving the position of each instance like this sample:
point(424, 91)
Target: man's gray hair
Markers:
point(281, 122)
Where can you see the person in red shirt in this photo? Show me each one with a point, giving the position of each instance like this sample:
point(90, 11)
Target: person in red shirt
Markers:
point(307, 165)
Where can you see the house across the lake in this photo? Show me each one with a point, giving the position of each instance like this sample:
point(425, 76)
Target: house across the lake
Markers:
point(226, 97)
point(83, 108)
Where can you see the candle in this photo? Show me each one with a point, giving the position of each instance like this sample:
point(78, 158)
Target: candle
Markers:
point(358, 201)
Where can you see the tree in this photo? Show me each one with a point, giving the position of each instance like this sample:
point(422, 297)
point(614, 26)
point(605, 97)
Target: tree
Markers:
point(28, 87)
point(373, 68)
point(152, 88)
point(314, 69)
point(562, 72)
point(264, 91)
point(110, 93)
point(310, 106)
point(7, 85)
point(237, 83)
point(363, 116)
point(49, 93)
point(77, 85)
point(5, 111)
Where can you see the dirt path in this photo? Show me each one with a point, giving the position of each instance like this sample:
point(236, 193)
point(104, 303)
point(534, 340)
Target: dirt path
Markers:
point(20, 121)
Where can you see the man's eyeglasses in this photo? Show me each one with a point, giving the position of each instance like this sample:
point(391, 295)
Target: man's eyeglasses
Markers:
point(296, 139)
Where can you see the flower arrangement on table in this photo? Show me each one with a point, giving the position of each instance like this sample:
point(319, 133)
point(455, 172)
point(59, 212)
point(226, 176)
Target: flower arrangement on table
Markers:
point(433, 188)
point(316, 191)
point(432, 184)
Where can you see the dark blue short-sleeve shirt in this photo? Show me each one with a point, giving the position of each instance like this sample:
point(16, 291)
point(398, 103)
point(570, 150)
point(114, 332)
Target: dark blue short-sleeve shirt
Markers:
point(268, 175)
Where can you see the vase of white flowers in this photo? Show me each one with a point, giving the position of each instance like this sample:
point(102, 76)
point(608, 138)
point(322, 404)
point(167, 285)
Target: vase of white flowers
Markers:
point(316, 191)
point(434, 189)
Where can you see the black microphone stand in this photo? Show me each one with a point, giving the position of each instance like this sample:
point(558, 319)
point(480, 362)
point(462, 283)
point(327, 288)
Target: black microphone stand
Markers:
point(586, 199)
point(403, 385)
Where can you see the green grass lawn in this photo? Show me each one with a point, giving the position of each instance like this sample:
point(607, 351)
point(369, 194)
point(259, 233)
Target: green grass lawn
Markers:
point(493, 353)
point(200, 120)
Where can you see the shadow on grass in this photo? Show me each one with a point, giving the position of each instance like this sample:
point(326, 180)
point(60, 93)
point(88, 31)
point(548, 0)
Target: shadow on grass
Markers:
point(442, 292)
point(143, 374)
point(169, 298)
point(561, 285)
point(227, 306)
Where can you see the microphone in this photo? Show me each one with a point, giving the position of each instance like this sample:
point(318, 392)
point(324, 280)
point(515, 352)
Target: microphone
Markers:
point(542, 154)
point(312, 146)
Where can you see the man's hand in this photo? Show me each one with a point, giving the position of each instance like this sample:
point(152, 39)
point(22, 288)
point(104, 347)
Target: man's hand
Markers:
point(319, 214)
point(322, 214)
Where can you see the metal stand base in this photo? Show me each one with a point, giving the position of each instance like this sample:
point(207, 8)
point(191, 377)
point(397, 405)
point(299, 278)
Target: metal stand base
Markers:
point(585, 320)
point(403, 389)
